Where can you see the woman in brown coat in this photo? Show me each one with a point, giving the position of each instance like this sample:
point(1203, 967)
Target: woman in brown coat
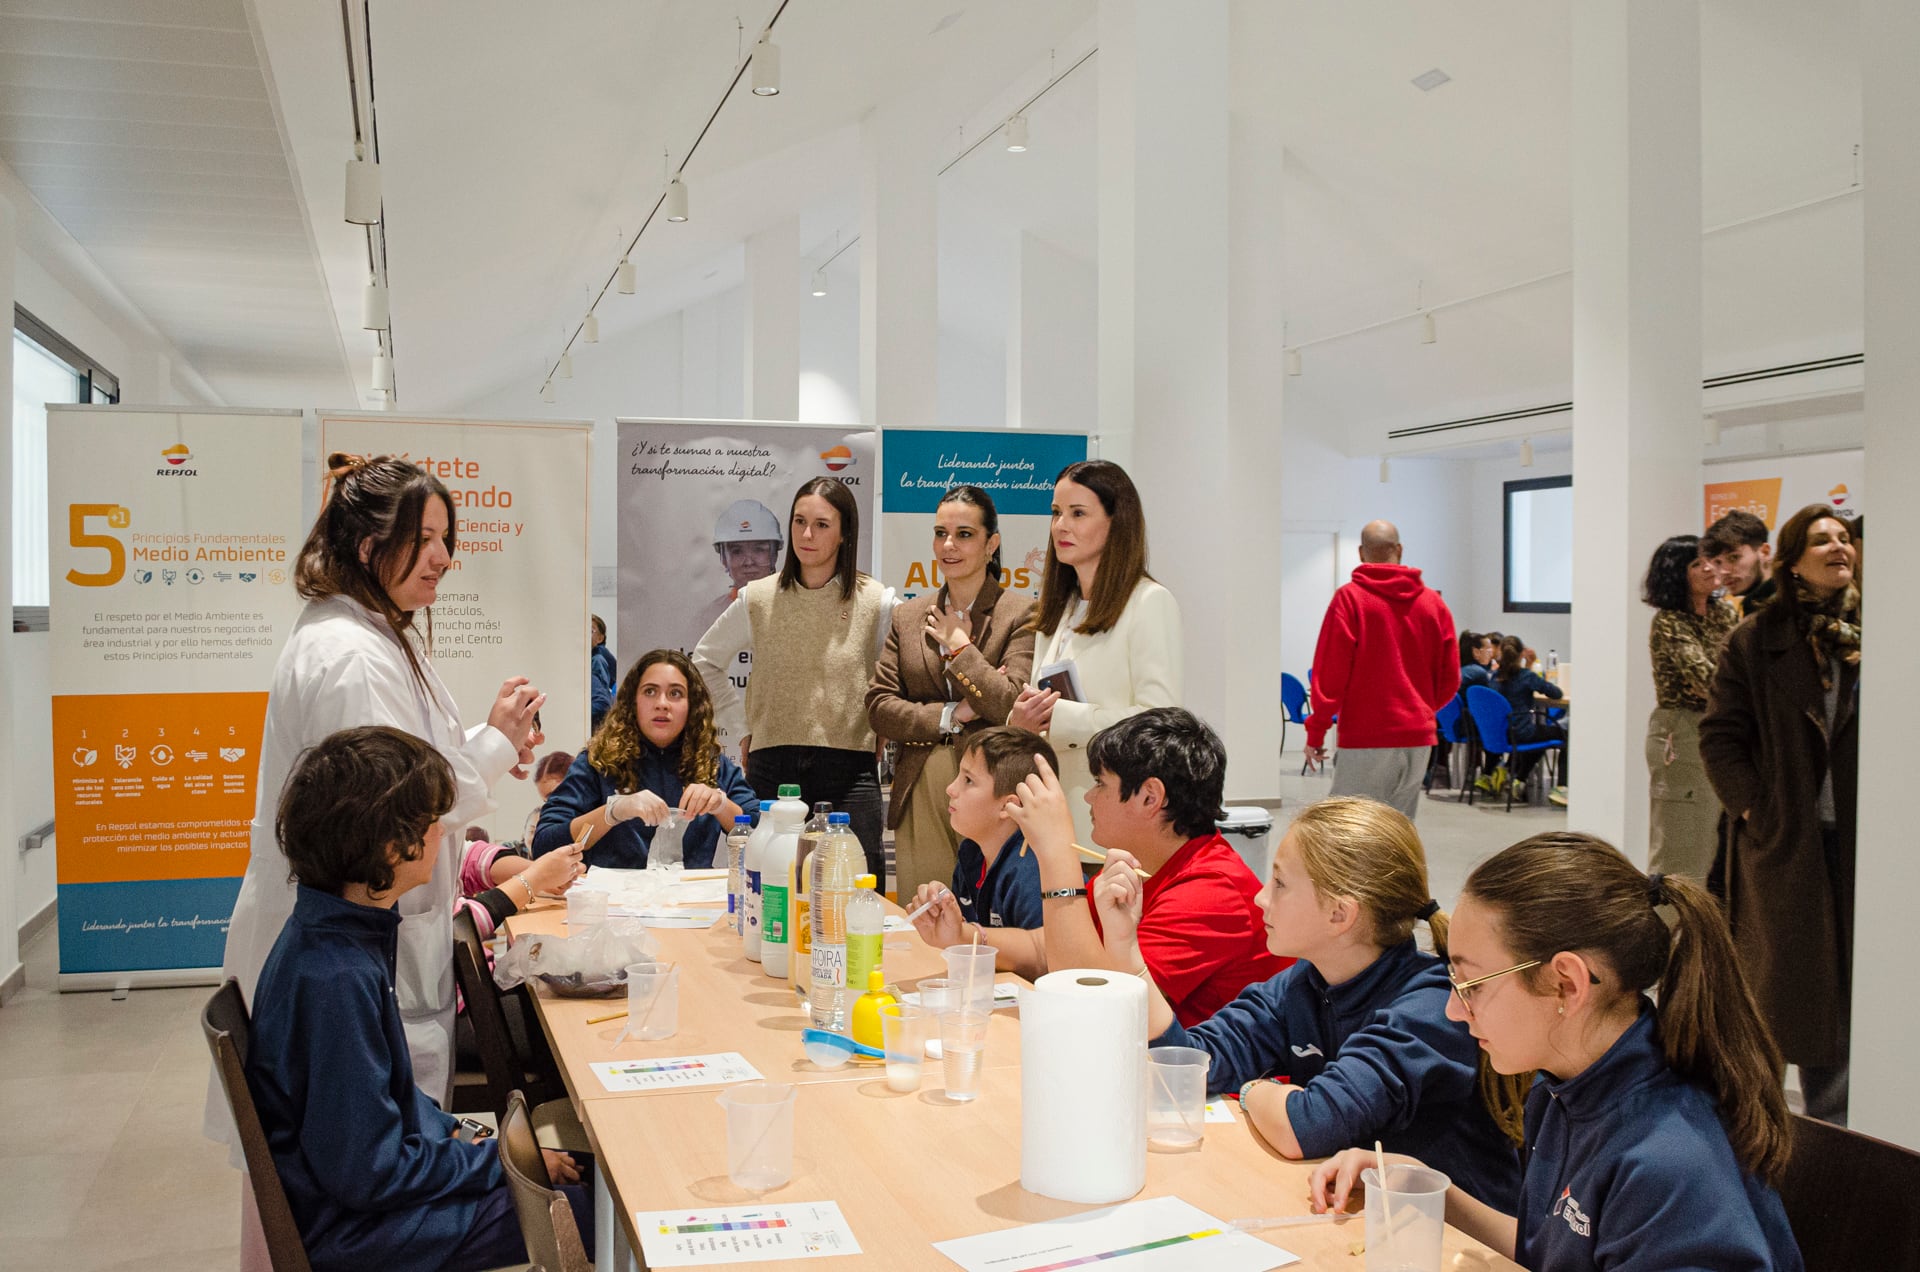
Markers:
point(1781, 746)
point(954, 660)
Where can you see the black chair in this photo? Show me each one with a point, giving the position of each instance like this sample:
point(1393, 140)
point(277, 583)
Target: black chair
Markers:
point(507, 1073)
point(546, 1220)
point(1849, 1198)
point(229, 1032)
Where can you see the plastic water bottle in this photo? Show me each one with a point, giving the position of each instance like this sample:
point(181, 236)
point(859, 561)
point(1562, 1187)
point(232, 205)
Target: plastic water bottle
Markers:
point(800, 899)
point(866, 923)
point(776, 882)
point(757, 863)
point(837, 863)
point(1553, 666)
point(737, 870)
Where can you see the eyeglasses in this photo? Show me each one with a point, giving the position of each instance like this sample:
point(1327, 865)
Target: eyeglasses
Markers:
point(1465, 988)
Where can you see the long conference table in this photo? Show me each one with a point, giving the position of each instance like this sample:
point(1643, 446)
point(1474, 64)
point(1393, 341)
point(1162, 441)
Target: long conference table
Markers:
point(907, 1169)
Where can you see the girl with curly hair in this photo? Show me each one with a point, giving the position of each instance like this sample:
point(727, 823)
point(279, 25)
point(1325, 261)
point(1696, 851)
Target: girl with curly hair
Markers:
point(655, 751)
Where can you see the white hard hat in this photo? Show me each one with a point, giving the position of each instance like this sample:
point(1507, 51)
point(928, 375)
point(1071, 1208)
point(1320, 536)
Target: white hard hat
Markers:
point(746, 521)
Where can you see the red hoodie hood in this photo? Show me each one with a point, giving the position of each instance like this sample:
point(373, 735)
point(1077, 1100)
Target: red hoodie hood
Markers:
point(1396, 584)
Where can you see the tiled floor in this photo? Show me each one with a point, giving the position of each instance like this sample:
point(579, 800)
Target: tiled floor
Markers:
point(102, 1164)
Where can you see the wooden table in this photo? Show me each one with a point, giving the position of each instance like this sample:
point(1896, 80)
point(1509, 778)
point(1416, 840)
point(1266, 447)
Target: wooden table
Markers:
point(907, 1169)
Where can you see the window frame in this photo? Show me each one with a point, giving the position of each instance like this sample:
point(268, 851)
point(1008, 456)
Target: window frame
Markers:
point(92, 374)
point(1507, 491)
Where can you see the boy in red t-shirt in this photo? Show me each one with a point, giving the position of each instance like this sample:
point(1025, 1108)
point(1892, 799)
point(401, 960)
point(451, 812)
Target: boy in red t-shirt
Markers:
point(1158, 776)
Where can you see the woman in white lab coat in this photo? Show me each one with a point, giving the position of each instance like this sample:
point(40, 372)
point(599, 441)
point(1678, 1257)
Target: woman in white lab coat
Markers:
point(371, 564)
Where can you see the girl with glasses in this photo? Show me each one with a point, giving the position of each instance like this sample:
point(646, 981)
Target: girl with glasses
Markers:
point(1655, 1135)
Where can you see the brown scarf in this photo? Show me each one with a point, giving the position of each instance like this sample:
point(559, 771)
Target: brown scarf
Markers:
point(1833, 626)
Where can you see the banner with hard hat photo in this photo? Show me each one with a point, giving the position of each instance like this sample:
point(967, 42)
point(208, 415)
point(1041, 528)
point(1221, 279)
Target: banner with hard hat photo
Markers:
point(171, 542)
point(703, 510)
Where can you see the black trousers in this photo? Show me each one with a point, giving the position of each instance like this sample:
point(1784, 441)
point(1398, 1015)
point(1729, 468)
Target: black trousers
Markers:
point(849, 780)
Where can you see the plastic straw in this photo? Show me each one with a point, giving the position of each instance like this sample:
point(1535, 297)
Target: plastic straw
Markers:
point(944, 892)
point(1284, 1221)
point(1386, 1214)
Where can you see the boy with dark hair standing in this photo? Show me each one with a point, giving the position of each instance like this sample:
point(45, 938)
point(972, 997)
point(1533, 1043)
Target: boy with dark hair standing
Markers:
point(996, 881)
point(373, 1170)
point(1737, 546)
point(1159, 776)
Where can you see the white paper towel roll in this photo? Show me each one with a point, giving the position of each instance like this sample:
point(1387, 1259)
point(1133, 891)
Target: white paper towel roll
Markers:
point(1083, 1086)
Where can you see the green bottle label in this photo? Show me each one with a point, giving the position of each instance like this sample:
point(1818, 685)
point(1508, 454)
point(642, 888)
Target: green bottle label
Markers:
point(773, 914)
point(863, 955)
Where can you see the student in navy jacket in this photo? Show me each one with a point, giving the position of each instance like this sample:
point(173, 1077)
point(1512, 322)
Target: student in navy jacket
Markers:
point(1654, 1135)
point(370, 1165)
point(1352, 1043)
point(996, 879)
point(656, 750)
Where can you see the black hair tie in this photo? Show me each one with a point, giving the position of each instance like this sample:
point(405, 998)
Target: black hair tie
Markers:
point(1428, 910)
point(1656, 889)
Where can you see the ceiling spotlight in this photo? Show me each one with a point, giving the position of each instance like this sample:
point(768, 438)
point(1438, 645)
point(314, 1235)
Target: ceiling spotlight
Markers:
point(1526, 452)
point(676, 200)
point(382, 373)
point(1017, 134)
point(590, 329)
point(1385, 474)
point(363, 187)
point(563, 370)
point(766, 66)
point(623, 277)
point(1427, 333)
point(820, 282)
point(1427, 81)
point(546, 391)
point(1293, 362)
point(373, 306)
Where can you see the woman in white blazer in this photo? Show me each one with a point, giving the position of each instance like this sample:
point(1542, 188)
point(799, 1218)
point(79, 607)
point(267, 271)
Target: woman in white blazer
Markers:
point(372, 562)
point(1101, 611)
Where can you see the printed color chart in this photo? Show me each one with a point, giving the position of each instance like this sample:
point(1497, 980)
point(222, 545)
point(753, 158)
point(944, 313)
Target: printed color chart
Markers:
point(744, 1234)
point(670, 1073)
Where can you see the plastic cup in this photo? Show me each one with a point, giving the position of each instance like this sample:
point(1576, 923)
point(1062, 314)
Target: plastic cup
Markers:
point(1177, 1095)
point(1405, 1219)
point(938, 996)
point(759, 1134)
point(971, 968)
point(585, 910)
point(653, 1000)
point(963, 1051)
point(903, 1036)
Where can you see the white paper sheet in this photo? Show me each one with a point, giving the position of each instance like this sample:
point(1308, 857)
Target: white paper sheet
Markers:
point(1164, 1234)
point(670, 1073)
point(1220, 1110)
point(743, 1234)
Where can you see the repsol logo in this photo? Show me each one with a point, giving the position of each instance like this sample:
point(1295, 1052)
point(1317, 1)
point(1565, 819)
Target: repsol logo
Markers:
point(176, 472)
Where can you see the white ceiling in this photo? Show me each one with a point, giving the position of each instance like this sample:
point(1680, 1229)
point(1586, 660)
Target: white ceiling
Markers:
point(148, 132)
point(517, 140)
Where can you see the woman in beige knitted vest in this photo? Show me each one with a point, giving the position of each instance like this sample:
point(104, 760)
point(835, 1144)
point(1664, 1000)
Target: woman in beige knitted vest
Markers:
point(814, 632)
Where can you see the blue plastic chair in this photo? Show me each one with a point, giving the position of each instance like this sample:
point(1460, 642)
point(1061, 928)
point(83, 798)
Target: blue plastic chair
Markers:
point(1293, 704)
point(1451, 724)
point(1489, 710)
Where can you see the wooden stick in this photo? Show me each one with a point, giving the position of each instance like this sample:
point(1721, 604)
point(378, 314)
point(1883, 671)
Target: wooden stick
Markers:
point(1100, 858)
point(612, 1015)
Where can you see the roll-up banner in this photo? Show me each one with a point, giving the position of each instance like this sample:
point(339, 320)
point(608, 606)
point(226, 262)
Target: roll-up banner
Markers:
point(1015, 468)
point(703, 512)
point(1775, 489)
point(172, 539)
point(516, 601)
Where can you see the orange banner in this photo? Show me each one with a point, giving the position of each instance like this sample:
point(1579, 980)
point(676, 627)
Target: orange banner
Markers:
point(154, 786)
point(1760, 496)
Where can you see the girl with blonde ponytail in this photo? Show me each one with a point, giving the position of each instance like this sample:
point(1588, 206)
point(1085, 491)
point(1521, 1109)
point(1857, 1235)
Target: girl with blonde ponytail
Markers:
point(1352, 1043)
point(1654, 1135)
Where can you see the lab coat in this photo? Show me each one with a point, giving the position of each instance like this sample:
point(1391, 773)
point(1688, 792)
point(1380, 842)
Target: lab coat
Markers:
point(340, 668)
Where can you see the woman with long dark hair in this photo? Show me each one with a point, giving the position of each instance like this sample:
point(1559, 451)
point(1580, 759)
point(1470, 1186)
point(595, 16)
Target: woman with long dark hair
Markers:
point(1781, 744)
point(1690, 628)
point(656, 750)
point(814, 632)
point(1102, 612)
point(955, 660)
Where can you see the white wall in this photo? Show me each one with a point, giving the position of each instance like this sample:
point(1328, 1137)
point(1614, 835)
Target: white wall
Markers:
point(1484, 613)
point(972, 384)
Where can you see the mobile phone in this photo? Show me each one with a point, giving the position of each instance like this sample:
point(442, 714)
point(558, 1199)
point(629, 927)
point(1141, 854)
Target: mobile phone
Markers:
point(472, 1131)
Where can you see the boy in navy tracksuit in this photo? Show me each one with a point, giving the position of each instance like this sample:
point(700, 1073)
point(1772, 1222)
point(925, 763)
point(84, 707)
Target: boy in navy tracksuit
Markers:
point(996, 880)
point(371, 1167)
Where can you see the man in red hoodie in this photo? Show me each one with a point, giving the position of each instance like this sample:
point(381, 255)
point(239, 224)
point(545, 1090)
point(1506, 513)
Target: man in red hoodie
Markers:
point(1386, 661)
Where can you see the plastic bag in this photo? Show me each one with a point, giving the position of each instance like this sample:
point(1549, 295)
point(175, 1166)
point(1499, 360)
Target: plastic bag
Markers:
point(591, 965)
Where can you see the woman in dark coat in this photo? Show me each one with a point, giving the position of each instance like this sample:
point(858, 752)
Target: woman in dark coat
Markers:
point(954, 661)
point(1781, 745)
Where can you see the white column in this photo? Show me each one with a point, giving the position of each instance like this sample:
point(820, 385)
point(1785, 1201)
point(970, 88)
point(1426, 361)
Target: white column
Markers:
point(1164, 197)
point(899, 269)
point(9, 823)
point(772, 354)
point(1637, 424)
point(1052, 340)
point(1885, 1035)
